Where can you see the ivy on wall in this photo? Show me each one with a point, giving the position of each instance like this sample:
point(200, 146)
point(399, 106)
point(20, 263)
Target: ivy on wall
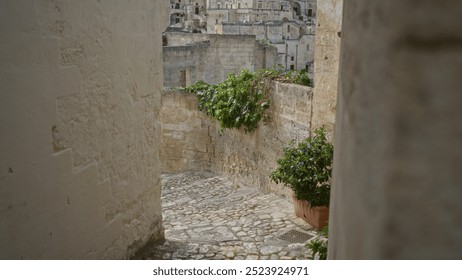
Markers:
point(242, 100)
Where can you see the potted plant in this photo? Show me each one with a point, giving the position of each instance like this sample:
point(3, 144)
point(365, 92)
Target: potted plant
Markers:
point(306, 168)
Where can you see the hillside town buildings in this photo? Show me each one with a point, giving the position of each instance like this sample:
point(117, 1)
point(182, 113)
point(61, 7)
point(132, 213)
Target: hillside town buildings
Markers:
point(289, 26)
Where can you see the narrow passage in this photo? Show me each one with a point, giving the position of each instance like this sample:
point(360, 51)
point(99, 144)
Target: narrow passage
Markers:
point(208, 217)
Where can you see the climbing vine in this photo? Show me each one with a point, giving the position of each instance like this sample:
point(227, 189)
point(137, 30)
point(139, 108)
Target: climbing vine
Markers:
point(242, 100)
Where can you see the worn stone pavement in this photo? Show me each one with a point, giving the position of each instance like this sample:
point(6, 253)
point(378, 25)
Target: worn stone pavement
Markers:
point(209, 217)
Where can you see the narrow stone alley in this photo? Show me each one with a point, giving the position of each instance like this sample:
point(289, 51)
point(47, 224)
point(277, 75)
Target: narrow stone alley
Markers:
point(208, 217)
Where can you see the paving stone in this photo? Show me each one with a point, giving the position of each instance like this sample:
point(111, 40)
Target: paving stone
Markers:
point(208, 217)
point(274, 257)
point(270, 249)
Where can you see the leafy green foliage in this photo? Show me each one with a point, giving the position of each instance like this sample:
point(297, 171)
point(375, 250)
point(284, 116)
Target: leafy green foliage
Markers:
point(296, 77)
point(318, 246)
point(306, 169)
point(241, 100)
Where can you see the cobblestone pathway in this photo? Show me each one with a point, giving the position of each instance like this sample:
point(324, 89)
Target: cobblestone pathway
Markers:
point(207, 217)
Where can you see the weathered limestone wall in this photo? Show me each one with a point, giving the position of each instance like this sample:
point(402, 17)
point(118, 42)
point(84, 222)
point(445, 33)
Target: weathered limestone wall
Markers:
point(397, 180)
point(80, 95)
point(326, 59)
point(191, 141)
point(212, 57)
point(186, 142)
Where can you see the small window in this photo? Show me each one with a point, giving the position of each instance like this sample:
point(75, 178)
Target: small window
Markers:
point(282, 7)
point(307, 68)
point(288, 28)
point(238, 5)
point(291, 58)
point(196, 10)
point(307, 47)
point(216, 21)
point(260, 5)
point(310, 12)
point(218, 6)
point(292, 67)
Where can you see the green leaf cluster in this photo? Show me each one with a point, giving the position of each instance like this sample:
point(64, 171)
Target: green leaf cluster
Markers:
point(306, 168)
point(241, 100)
point(318, 246)
point(296, 77)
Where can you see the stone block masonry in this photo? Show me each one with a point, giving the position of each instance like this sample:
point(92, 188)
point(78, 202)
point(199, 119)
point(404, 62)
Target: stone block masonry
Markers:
point(79, 105)
point(191, 57)
point(192, 141)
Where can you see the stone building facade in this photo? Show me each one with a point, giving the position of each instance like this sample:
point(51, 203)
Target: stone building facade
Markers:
point(288, 25)
point(188, 14)
point(190, 57)
point(79, 104)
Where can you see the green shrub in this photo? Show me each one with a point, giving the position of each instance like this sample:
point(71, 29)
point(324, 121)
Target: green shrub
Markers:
point(241, 100)
point(318, 246)
point(306, 169)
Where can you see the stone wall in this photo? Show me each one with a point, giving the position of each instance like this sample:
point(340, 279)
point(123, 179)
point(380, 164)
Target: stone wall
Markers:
point(212, 57)
point(397, 180)
point(191, 141)
point(80, 94)
point(326, 60)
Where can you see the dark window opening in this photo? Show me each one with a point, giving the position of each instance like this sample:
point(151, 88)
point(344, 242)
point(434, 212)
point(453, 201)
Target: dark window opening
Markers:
point(291, 58)
point(310, 12)
point(164, 40)
point(196, 10)
point(292, 67)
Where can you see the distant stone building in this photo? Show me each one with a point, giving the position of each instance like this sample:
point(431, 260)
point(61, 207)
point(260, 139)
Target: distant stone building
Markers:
point(189, 15)
point(190, 57)
point(287, 25)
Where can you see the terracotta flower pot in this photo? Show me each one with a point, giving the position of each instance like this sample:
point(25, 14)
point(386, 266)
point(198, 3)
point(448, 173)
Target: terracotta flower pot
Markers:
point(316, 216)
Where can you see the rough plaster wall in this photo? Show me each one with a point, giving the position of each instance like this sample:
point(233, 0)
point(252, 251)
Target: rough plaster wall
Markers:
point(191, 141)
point(397, 181)
point(79, 168)
point(326, 58)
point(185, 142)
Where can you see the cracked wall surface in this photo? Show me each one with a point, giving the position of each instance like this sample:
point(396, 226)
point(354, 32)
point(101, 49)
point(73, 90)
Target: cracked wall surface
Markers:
point(192, 141)
point(80, 101)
